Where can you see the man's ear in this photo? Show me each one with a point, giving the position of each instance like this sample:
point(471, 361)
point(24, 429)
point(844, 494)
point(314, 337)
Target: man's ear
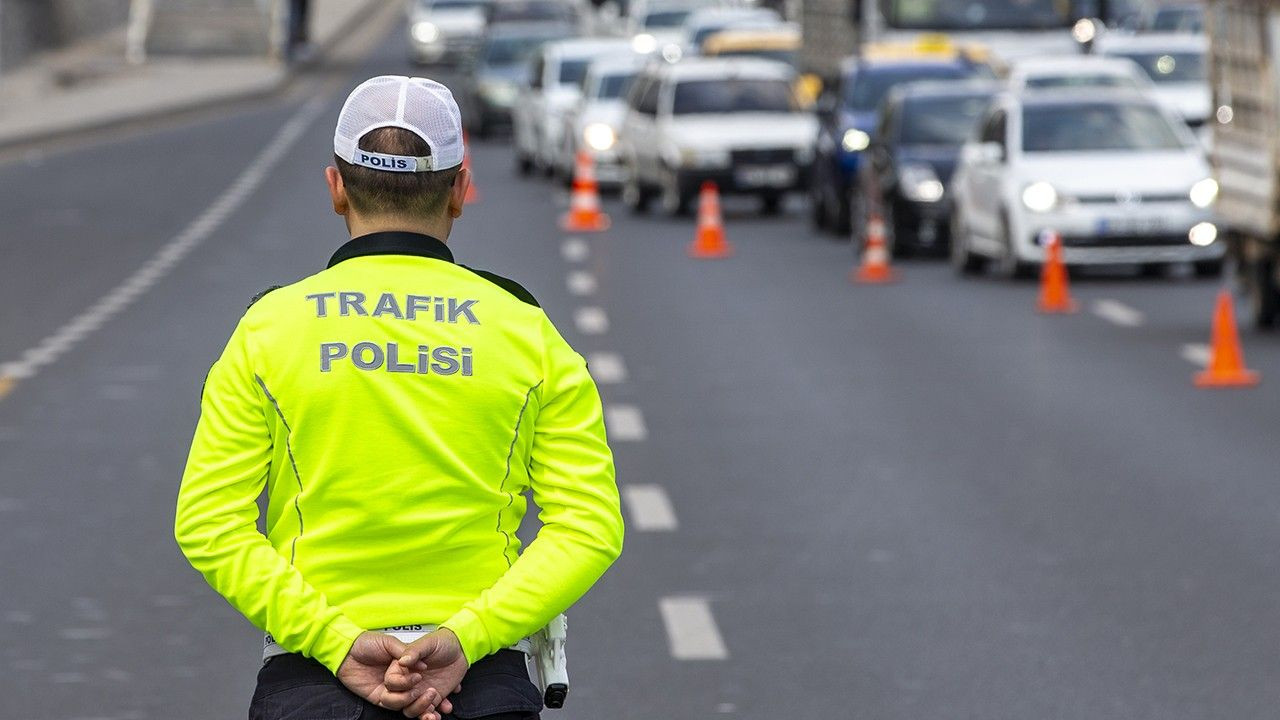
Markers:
point(337, 191)
point(458, 193)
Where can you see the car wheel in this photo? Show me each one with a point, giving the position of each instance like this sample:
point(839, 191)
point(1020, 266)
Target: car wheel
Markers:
point(673, 201)
point(1264, 296)
point(966, 263)
point(841, 220)
point(1009, 266)
point(771, 203)
point(817, 210)
point(1207, 268)
point(524, 164)
point(896, 233)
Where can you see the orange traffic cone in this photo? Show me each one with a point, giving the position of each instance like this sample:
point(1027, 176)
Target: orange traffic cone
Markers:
point(1055, 295)
point(473, 195)
point(709, 241)
point(584, 202)
point(875, 256)
point(1226, 361)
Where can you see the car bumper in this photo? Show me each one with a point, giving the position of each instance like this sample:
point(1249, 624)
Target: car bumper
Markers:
point(925, 224)
point(740, 180)
point(446, 49)
point(1154, 233)
point(608, 166)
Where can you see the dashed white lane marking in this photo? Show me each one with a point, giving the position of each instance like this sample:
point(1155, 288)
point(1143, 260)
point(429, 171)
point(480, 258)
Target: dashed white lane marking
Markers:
point(625, 422)
point(78, 634)
point(1195, 353)
point(607, 368)
point(575, 249)
point(1117, 313)
point(650, 508)
point(48, 350)
point(691, 629)
point(580, 282)
point(591, 321)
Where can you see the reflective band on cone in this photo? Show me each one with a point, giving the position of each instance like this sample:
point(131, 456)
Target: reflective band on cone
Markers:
point(708, 240)
point(1055, 294)
point(584, 202)
point(875, 267)
point(1226, 360)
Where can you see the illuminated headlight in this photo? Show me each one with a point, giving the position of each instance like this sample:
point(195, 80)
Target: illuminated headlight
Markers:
point(672, 53)
point(499, 93)
point(644, 43)
point(920, 183)
point(1203, 234)
point(1204, 193)
point(1084, 31)
point(425, 32)
point(1040, 197)
point(704, 158)
point(599, 136)
point(855, 140)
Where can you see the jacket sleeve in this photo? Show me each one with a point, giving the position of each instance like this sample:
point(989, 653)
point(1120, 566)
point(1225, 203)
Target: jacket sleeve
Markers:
point(572, 477)
point(217, 515)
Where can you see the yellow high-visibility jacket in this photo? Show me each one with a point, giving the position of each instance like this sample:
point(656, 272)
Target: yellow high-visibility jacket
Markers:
point(395, 406)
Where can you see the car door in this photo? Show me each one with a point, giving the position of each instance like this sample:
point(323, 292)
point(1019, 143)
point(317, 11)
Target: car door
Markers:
point(645, 141)
point(987, 168)
point(524, 110)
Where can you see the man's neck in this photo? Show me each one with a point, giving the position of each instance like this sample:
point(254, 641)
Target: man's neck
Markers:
point(366, 226)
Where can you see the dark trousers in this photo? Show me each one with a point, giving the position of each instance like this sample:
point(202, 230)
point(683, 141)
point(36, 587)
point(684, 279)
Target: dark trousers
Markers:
point(291, 687)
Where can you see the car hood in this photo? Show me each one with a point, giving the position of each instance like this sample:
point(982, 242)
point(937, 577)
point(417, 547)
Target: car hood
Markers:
point(1108, 172)
point(561, 97)
point(502, 73)
point(609, 112)
point(454, 22)
point(742, 130)
point(942, 158)
point(1190, 101)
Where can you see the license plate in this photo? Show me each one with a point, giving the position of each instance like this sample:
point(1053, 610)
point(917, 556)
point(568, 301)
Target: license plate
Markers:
point(765, 176)
point(1131, 226)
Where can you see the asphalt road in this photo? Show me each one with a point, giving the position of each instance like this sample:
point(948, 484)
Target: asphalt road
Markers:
point(912, 501)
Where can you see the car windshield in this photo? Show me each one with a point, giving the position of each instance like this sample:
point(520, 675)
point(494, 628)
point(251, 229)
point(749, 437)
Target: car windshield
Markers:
point(1097, 127)
point(507, 11)
point(452, 4)
point(941, 120)
point(871, 85)
point(1078, 80)
point(1171, 67)
point(572, 71)
point(732, 96)
point(1178, 20)
point(665, 19)
point(786, 56)
point(612, 87)
point(511, 50)
point(945, 15)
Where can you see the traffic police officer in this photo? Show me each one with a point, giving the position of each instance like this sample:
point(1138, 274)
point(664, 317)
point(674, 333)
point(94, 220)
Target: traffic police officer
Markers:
point(396, 406)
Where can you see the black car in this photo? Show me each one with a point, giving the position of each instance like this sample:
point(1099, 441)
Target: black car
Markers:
point(491, 81)
point(913, 152)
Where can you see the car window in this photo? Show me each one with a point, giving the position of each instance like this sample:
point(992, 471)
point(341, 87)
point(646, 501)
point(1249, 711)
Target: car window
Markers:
point(1081, 80)
point(665, 19)
point(612, 87)
point(732, 95)
point(648, 102)
point(941, 121)
point(529, 10)
point(572, 71)
point(870, 85)
point(1171, 67)
point(510, 50)
point(453, 4)
point(1178, 20)
point(536, 68)
point(993, 130)
point(1097, 127)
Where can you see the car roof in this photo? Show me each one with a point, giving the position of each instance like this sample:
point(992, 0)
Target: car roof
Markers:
point(947, 89)
point(1083, 96)
point(1070, 65)
point(584, 47)
point(717, 13)
point(890, 62)
point(534, 29)
point(1153, 42)
point(612, 63)
point(707, 68)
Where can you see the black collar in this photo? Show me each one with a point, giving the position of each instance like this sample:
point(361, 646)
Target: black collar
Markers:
point(395, 242)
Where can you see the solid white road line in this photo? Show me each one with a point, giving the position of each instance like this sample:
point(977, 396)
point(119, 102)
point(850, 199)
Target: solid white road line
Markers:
point(650, 507)
point(1117, 313)
point(48, 350)
point(580, 282)
point(575, 249)
point(607, 368)
point(691, 629)
point(625, 422)
point(591, 321)
point(1196, 354)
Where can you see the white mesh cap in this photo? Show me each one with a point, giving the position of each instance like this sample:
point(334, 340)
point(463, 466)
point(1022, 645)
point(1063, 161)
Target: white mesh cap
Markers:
point(424, 107)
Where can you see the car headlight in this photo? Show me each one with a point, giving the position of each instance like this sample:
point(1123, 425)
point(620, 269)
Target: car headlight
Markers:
point(499, 93)
point(855, 140)
point(425, 32)
point(672, 52)
point(920, 183)
point(599, 136)
point(1040, 197)
point(690, 157)
point(644, 43)
point(1203, 234)
point(1204, 193)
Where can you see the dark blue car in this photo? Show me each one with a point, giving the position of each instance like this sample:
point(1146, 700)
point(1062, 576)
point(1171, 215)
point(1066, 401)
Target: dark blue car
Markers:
point(847, 118)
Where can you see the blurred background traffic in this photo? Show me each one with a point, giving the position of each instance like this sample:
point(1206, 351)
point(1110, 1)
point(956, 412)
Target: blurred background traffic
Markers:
point(933, 335)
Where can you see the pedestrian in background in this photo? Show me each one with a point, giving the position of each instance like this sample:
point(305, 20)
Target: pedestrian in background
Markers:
point(395, 406)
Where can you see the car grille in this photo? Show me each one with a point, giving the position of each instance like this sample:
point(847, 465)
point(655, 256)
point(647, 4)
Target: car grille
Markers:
point(1111, 241)
point(1134, 199)
point(763, 156)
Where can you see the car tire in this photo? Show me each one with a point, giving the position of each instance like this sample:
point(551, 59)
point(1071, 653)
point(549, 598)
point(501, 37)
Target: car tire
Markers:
point(771, 204)
point(524, 165)
point(841, 220)
point(965, 263)
point(1009, 266)
point(1207, 268)
point(1264, 296)
point(817, 210)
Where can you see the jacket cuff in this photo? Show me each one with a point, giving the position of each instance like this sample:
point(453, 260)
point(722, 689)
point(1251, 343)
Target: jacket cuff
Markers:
point(334, 642)
point(472, 635)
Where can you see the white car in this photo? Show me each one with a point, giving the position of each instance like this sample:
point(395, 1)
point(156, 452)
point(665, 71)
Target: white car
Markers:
point(1176, 65)
point(657, 26)
point(1076, 71)
point(593, 123)
point(444, 30)
point(704, 22)
point(1117, 176)
point(555, 84)
point(733, 121)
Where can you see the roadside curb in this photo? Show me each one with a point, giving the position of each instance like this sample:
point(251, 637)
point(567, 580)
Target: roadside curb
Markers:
point(267, 85)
